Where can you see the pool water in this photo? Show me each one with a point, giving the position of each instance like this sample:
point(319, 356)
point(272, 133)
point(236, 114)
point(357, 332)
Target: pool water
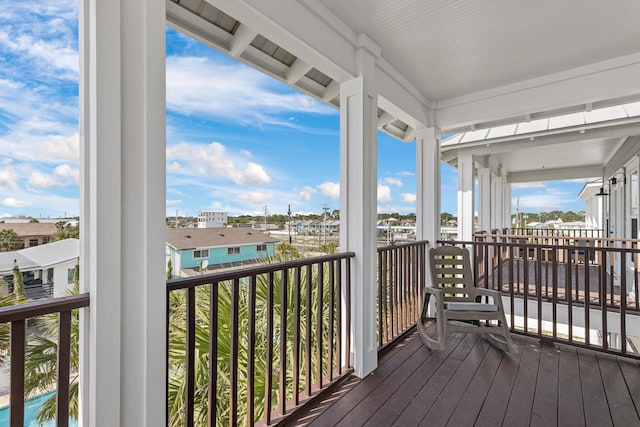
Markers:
point(31, 408)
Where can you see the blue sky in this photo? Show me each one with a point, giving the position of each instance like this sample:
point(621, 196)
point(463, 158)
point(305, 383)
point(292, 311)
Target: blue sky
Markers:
point(237, 140)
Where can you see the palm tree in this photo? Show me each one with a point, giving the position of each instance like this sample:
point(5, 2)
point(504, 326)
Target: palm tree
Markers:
point(8, 237)
point(177, 345)
point(41, 355)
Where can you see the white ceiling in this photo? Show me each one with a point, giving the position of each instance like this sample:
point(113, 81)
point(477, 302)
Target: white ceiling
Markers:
point(449, 49)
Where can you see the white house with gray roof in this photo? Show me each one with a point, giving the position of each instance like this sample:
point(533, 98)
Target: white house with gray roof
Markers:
point(47, 269)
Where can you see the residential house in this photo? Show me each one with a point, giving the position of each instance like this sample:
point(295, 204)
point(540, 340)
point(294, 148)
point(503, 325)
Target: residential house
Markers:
point(31, 233)
point(214, 248)
point(212, 219)
point(47, 269)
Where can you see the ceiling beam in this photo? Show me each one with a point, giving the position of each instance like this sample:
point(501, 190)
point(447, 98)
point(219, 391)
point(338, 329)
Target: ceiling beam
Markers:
point(297, 70)
point(571, 90)
point(612, 130)
point(580, 172)
point(241, 40)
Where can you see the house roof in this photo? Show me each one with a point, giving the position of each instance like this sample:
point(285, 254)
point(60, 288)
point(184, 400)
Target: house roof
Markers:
point(31, 228)
point(40, 257)
point(215, 237)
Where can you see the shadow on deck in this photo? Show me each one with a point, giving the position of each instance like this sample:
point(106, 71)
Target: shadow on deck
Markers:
point(472, 383)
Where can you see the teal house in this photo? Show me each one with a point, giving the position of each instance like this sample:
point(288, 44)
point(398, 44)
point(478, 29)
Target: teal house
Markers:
point(213, 248)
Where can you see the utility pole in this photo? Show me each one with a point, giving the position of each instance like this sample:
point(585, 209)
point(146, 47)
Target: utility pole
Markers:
point(325, 208)
point(265, 218)
point(289, 226)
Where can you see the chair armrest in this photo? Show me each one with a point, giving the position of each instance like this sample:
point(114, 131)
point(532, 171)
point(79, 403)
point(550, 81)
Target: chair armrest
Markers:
point(488, 292)
point(434, 291)
point(494, 294)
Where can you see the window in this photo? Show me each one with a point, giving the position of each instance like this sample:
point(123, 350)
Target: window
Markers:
point(33, 242)
point(70, 276)
point(233, 251)
point(201, 253)
point(261, 248)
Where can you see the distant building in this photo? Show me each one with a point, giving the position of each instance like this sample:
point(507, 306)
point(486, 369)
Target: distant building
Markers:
point(47, 269)
point(31, 233)
point(211, 219)
point(219, 247)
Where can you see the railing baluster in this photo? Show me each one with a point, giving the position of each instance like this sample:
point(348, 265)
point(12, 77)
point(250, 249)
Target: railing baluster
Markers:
point(251, 351)
point(64, 353)
point(319, 343)
point(191, 355)
point(17, 373)
point(381, 284)
point(235, 299)
point(331, 324)
point(587, 297)
point(623, 302)
point(308, 317)
point(213, 354)
point(269, 362)
point(296, 338)
point(339, 316)
point(284, 283)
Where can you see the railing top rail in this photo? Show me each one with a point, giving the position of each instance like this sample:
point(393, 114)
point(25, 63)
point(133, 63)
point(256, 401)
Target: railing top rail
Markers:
point(572, 247)
point(42, 307)
point(403, 244)
point(221, 276)
point(529, 236)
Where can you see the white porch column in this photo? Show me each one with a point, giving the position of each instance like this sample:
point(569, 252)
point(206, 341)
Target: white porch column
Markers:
point(506, 203)
point(358, 206)
point(427, 185)
point(484, 199)
point(122, 90)
point(465, 196)
point(497, 214)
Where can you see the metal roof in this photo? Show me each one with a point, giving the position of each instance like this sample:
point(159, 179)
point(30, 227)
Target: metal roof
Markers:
point(40, 257)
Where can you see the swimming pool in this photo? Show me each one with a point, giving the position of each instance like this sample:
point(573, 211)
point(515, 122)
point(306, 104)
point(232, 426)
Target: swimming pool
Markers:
point(31, 408)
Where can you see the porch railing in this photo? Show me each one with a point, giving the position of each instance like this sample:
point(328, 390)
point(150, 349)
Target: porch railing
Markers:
point(580, 291)
point(555, 232)
point(401, 280)
point(252, 345)
point(17, 316)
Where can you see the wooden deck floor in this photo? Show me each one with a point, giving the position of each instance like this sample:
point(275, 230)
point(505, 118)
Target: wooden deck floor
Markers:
point(472, 383)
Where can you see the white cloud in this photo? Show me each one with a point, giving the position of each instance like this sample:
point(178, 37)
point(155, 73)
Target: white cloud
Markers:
point(306, 193)
point(41, 181)
point(69, 172)
point(392, 181)
point(51, 148)
point(330, 189)
point(255, 197)
point(173, 202)
point(213, 159)
point(14, 203)
point(199, 86)
point(8, 179)
point(384, 193)
point(408, 197)
point(405, 173)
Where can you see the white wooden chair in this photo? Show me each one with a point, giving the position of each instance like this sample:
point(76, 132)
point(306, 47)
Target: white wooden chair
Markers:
point(459, 304)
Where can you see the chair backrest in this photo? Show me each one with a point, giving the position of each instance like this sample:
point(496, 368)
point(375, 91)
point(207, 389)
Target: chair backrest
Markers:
point(451, 271)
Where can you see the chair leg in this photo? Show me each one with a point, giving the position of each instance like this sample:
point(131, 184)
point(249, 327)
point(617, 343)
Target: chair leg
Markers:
point(439, 342)
point(502, 338)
